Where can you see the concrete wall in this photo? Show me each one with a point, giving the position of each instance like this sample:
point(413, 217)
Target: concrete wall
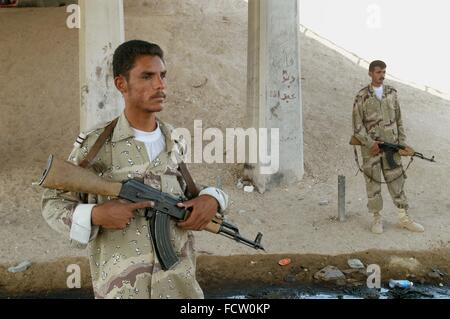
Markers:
point(36, 114)
point(37, 117)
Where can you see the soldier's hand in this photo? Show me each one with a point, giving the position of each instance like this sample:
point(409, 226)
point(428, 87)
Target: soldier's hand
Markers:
point(204, 209)
point(116, 214)
point(375, 149)
point(408, 151)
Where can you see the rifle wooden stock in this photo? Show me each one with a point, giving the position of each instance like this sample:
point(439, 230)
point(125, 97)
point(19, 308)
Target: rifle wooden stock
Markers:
point(64, 175)
point(354, 141)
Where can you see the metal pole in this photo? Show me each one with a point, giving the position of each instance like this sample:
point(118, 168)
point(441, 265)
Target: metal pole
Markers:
point(341, 197)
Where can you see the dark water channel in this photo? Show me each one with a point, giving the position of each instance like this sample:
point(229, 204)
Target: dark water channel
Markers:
point(303, 292)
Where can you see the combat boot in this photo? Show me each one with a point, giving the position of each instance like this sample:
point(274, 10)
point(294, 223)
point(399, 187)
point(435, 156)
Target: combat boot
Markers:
point(405, 221)
point(377, 224)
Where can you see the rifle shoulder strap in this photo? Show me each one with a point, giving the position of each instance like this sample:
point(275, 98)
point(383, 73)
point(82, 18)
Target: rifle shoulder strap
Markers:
point(191, 188)
point(89, 159)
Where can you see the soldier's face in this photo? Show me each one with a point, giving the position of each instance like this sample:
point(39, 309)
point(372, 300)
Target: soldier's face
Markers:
point(146, 85)
point(378, 75)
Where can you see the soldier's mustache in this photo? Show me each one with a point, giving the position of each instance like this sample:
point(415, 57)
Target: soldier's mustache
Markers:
point(159, 95)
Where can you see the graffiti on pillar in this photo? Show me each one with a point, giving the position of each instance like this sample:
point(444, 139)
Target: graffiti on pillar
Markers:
point(283, 70)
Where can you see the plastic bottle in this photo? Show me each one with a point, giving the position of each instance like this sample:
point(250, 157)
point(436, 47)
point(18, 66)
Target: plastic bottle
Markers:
point(400, 283)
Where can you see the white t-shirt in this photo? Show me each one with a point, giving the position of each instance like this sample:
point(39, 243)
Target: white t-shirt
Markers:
point(154, 141)
point(378, 92)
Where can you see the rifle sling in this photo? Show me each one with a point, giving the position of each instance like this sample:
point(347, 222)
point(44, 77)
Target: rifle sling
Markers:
point(88, 161)
point(371, 177)
point(192, 190)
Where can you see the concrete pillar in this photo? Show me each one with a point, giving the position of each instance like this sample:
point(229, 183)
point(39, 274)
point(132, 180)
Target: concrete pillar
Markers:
point(101, 31)
point(274, 86)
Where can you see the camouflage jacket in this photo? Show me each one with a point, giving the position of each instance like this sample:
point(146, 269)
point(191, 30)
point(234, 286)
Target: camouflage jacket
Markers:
point(375, 119)
point(122, 262)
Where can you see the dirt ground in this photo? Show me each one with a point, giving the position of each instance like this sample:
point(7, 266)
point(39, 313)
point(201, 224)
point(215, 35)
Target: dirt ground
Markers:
point(205, 44)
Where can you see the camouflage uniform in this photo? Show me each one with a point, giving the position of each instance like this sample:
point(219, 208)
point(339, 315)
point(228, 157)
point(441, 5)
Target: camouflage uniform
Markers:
point(375, 119)
point(122, 262)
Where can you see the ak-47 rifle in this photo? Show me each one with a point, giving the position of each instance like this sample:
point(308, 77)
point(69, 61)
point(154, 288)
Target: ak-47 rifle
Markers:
point(390, 149)
point(64, 175)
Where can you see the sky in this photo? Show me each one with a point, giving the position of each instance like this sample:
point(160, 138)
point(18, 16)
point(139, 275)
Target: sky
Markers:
point(411, 36)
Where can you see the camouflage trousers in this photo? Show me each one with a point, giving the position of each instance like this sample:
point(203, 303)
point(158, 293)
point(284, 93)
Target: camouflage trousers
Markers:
point(128, 268)
point(394, 178)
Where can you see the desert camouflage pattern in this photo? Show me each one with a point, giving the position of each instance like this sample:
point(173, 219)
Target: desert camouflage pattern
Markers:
point(122, 262)
point(375, 119)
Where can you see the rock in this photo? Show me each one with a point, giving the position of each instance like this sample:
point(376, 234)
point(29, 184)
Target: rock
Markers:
point(24, 265)
point(442, 274)
point(249, 189)
point(323, 202)
point(200, 83)
point(290, 278)
point(239, 184)
point(434, 275)
point(355, 264)
point(329, 273)
point(350, 271)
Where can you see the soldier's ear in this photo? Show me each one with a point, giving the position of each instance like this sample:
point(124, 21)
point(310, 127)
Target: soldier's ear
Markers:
point(121, 84)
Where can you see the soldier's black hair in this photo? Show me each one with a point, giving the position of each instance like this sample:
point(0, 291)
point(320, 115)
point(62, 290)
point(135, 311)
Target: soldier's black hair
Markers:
point(126, 54)
point(376, 63)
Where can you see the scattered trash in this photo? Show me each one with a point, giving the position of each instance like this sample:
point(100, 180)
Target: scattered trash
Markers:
point(329, 273)
point(253, 262)
point(400, 283)
point(441, 284)
point(355, 264)
point(249, 189)
point(241, 211)
point(24, 265)
point(323, 202)
point(284, 261)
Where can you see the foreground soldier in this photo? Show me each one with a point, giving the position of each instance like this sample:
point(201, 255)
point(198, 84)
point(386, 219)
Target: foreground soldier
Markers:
point(121, 256)
point(377, 118)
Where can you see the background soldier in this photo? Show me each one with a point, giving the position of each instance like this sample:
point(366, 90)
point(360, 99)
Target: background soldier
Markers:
point(122, 260)
point(376, 119)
